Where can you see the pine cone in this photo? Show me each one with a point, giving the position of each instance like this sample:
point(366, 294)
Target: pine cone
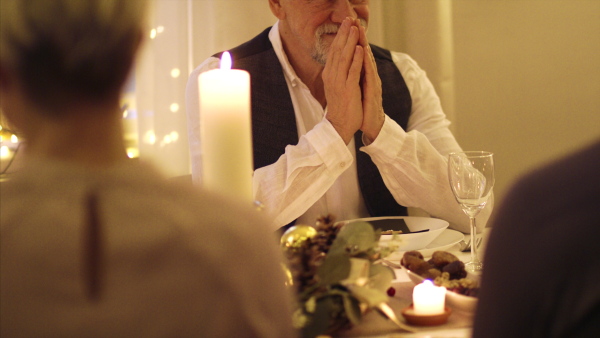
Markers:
point(304, 262)
point(327, 231)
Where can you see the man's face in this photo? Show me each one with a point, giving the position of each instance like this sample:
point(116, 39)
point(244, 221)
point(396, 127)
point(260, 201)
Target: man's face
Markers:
point(313, 24)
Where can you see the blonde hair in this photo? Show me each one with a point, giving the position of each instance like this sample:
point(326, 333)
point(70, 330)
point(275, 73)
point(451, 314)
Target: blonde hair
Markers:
point(65, 49)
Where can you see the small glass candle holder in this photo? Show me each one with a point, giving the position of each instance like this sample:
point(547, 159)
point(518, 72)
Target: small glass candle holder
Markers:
point(429, 305)
point(426, 320)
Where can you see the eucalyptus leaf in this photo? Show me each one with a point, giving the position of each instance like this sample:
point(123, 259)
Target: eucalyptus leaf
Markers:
point(355, 237)
point(337, 291)
point(352, 307)
point(321, 320)
point(381, 277)
point(372, 297)
point(335, 267)
point(351, 304)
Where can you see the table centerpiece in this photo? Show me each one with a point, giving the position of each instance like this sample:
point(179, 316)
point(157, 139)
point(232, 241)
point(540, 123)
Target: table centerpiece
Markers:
point(336, 272)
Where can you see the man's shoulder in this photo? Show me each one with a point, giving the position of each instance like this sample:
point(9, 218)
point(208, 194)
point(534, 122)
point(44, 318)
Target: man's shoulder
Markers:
point(256, 45)
point(381, 53)
point(392, 56)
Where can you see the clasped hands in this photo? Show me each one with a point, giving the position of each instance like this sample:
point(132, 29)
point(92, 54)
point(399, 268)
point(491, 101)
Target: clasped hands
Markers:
point(352, 85)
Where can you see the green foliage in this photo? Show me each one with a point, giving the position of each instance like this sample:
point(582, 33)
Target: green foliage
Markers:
point(348, 281)
point(335, 268)
point(354, 239)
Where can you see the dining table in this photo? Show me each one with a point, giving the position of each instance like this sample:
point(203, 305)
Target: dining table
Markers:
point(460, 321)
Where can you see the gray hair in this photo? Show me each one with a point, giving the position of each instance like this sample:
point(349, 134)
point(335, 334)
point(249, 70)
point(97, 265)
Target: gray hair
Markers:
point(65, 49)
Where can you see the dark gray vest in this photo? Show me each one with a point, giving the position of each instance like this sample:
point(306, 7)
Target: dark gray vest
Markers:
point(274, 121)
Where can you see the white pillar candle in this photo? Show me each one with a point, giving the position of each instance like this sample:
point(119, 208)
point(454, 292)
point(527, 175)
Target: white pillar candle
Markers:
point(225, 131)
point(429, 299)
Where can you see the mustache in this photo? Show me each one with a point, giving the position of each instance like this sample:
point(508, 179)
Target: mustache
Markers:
point(327, 28)
point(331, 28)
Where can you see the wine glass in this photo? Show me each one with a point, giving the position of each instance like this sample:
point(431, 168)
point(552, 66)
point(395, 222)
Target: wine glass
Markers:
point(471, 176)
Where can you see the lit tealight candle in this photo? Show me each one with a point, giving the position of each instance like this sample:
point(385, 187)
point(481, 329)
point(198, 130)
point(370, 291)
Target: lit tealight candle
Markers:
point(428, 299)
point(225, 130)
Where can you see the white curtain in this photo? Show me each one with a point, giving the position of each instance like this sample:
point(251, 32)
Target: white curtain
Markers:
point(183, 33)
point(160, 79)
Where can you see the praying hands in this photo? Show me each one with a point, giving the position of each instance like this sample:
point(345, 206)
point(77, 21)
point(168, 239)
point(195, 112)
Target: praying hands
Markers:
point(352, 85)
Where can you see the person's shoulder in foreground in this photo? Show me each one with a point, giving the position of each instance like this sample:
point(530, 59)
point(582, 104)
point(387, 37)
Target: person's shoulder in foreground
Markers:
point(542, 263)
point(172, 260)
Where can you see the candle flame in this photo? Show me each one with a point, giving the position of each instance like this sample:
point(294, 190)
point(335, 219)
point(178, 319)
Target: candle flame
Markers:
point(226, 61)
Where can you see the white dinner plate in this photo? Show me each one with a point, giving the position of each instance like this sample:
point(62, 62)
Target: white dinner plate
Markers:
point(444, 241)
point(408, 241)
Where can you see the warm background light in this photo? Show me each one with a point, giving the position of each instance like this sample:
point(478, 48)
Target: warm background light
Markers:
point(4, 152)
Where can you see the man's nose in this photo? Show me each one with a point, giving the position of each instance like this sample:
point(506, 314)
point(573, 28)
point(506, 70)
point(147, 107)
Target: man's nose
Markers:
point(341, 10)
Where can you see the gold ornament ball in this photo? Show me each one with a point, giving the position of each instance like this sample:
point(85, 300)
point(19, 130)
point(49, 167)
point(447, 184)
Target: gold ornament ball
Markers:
point(294, 237)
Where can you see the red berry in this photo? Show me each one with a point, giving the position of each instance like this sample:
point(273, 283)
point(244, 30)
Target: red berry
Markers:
point(391, 291)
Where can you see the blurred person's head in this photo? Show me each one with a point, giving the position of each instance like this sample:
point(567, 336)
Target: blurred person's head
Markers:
point(63, 51)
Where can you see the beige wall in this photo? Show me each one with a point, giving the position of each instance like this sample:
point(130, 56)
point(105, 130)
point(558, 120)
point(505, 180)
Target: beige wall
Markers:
point(527, 76)
point(520, 78)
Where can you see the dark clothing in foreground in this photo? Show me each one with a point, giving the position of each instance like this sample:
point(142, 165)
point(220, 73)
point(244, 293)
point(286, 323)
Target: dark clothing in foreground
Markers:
point(542, 264)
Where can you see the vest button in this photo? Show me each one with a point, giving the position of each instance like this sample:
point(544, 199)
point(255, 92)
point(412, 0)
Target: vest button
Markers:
point(342, 164)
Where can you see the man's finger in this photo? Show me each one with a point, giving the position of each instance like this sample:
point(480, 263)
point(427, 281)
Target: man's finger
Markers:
point(347, 53)
point(356, 66)
point(341, 37)
point(363, 35)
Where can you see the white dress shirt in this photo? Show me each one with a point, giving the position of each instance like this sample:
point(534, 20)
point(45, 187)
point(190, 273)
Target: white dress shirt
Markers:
point(318, 176)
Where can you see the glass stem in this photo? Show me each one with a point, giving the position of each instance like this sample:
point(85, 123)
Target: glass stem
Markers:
point(474, 256)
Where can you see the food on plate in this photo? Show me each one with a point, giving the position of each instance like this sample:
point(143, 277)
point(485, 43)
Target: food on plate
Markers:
point(456, 270)
point(440, 259)
point(463, 286)
point(413, 261)
point(444, 269)
point(413, 253)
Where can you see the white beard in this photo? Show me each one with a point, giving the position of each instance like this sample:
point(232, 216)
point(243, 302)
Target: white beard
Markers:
point(321, 49)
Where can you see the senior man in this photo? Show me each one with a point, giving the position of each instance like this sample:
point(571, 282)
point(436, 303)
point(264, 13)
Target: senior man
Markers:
point(340, 126)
